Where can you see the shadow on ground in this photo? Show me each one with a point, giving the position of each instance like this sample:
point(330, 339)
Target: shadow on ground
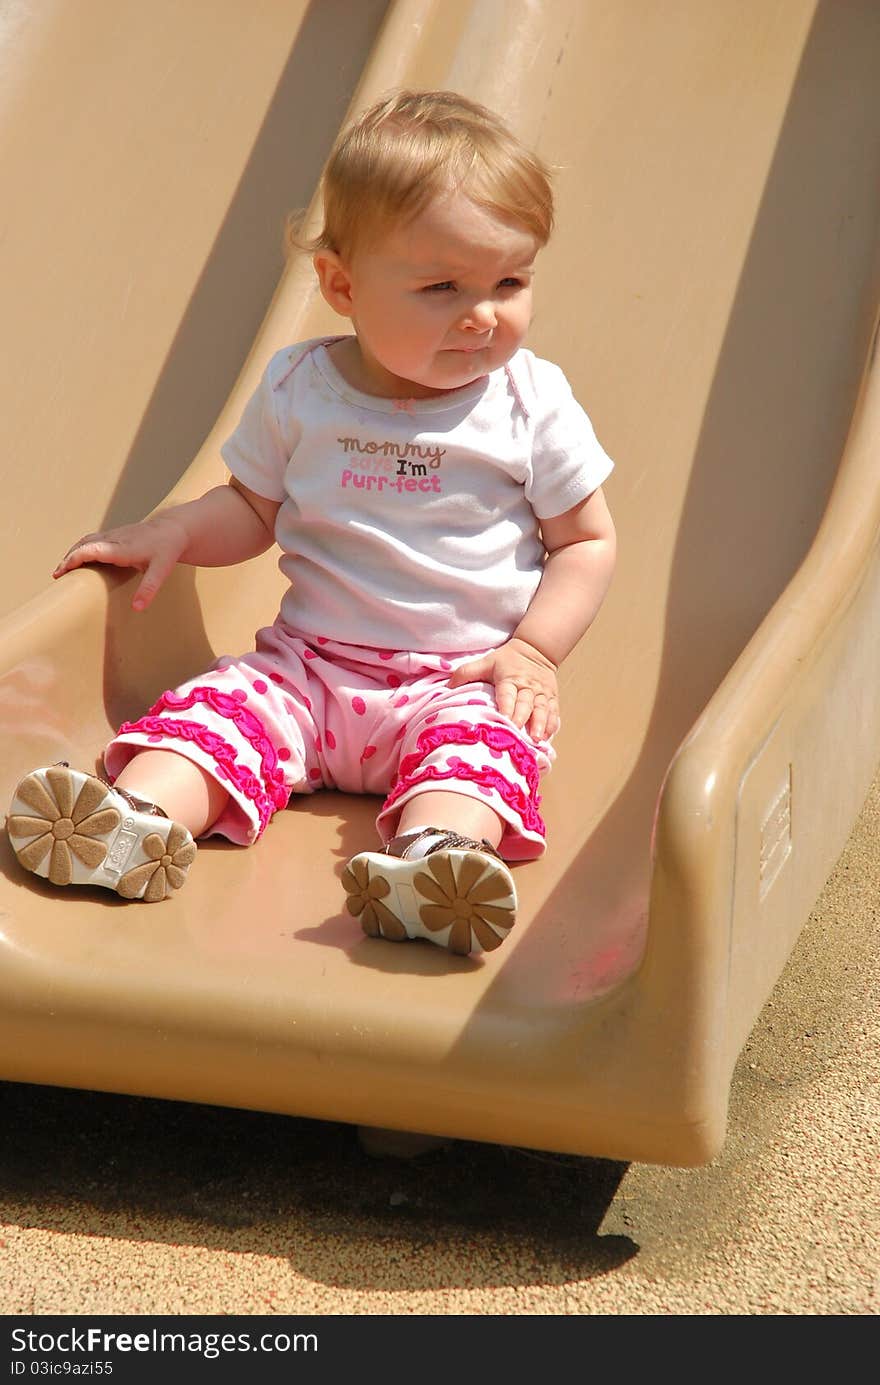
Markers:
point(149, 1170)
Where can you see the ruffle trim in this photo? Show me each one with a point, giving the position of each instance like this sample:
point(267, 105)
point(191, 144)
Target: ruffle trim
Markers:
point(498, 739)
point(269, 794)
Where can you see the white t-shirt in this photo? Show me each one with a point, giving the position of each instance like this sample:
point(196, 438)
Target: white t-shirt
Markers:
point(413, 524)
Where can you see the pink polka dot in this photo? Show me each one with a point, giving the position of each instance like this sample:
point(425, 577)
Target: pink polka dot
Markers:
point(260, 686)
point(155, 739)
point(359, 705)
point(496, 754)
point(401, 701)
point(475, 702)
point(306, 703)
point(318, 746)
point(309, 654)
point(330, 739)
point(239, 695)
point(386, 653)
point(221, 772)
point(401, 733)
point(314, 774)
point(394, 680)
point(322, 639)
point(445, 664)
point(432, 717)
point(369, 752)
point(276, 677)
point(485, 790)
point(284, 753)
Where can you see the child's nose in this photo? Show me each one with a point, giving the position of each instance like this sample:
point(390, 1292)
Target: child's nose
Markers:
point(481, 317)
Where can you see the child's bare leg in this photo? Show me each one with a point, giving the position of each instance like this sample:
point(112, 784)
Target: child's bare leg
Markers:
point(181, 788)
point(456, 812)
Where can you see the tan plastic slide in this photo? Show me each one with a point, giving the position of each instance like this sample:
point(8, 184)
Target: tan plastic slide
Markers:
point(711, 292)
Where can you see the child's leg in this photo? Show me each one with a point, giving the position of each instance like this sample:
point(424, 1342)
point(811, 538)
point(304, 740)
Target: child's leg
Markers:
point(177, 785)
point(464, 749)
point(223, 752)
point(455, 812)
point(465, 796)
point(235, 726)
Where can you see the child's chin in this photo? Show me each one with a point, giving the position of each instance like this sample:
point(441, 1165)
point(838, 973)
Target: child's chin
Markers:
point(463, 369)
point(441, 382)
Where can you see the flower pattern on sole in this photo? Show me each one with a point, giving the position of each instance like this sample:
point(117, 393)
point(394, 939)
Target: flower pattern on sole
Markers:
point(474, 902)
point(61, 825)
point(165, 870)
point(365, 902)
point(460, 897)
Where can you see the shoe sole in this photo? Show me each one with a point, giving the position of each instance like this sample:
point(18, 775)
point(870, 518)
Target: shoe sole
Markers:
point(460, 899)
point(73, 829)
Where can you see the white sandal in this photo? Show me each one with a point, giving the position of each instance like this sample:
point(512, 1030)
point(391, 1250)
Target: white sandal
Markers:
point(457, 892)
point(73, 829)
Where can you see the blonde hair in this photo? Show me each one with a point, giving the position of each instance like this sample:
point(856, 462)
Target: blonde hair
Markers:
point(415, 145)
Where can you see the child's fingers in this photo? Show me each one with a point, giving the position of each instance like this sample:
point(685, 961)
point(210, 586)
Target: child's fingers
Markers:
point(132, 548)
point(75, 555)
point(527, 696)
point(524, 705)
point(545, 718)
point(506, 696)
point(157, 570)
point(538, 719)
point(528, 706)
point(94, 548)
point(474, 672)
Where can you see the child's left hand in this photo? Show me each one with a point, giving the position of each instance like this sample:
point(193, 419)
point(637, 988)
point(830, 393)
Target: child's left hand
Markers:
point(526, 689)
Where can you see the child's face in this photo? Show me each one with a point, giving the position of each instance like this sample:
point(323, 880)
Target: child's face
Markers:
point(437, 302)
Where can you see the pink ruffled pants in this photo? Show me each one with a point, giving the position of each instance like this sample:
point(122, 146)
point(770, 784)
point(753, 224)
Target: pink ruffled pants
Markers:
point(299, 715)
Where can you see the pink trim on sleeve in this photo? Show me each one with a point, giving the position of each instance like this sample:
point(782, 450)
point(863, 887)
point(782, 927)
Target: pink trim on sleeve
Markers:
point(515, 390)
point(297, 360)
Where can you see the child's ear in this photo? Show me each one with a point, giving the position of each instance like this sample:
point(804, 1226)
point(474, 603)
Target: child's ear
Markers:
point(335, 281)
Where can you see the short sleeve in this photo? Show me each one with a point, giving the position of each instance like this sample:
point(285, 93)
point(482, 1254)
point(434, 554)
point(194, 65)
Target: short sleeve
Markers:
point(568, 461)
point(256, 453)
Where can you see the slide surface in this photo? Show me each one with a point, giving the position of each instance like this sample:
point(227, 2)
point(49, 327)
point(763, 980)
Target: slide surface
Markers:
point(711, 291)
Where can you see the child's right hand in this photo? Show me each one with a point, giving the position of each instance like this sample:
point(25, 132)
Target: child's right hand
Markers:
point(153, 547)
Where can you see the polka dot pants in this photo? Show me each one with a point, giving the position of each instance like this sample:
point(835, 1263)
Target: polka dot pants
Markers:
point(301, 714)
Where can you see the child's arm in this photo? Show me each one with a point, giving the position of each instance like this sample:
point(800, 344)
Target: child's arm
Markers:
point(224, 526)
point(581, 549)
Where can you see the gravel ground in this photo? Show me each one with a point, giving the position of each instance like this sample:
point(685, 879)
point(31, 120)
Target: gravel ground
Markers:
point(117, 1205)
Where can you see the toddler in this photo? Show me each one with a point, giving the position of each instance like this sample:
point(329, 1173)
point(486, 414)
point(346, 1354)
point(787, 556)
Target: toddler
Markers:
point(435, 491)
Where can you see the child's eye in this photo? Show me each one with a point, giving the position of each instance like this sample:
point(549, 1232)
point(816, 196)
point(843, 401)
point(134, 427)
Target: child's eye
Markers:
point(510, 283)
point(443, 287)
